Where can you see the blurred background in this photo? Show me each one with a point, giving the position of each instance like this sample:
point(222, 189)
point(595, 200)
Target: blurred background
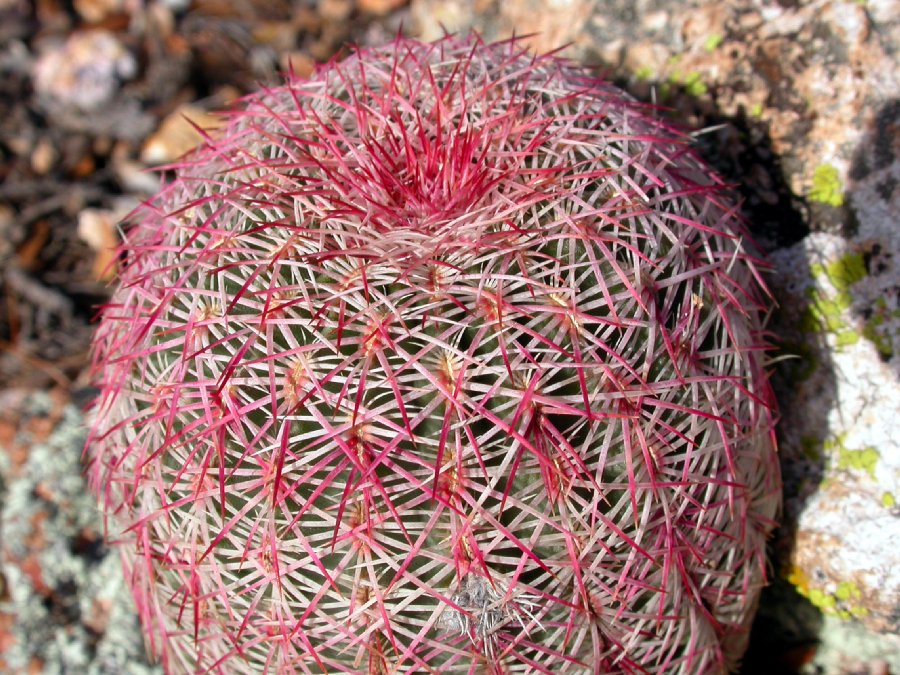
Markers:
point(795, 102)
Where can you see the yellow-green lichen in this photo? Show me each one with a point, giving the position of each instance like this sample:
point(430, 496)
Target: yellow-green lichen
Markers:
point(854, 611)
point(811, 447)
point(825, 305)
point(881, 341)
point(865, 459)
point(845, 338)
point(644, 73)
point(826, 187)
point(824, 601)
point(691, 83)
point(875, 329)
point(712, 42)
point(847, 590)
point(843, 602)
point(825, 311)
point(888, 500)
point(846, 271)
point(756, 110)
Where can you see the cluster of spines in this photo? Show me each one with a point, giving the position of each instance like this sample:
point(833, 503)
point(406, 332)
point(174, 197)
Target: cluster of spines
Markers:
point(407, 311)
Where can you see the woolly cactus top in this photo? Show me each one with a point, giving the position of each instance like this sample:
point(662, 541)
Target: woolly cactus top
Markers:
point(448, 359)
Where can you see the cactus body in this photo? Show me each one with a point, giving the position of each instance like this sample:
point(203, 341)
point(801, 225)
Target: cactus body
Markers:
point(446, 360)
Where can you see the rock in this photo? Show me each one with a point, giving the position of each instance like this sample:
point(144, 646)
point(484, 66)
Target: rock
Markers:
point(85, 72)
point(545, 25)
point(841, 453)
point(134, 177)
point(69, 604)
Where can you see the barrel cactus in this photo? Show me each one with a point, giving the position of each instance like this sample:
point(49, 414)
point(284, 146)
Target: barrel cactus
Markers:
point(449, 359)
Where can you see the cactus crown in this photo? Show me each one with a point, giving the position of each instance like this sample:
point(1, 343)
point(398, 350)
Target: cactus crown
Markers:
point(448, 359)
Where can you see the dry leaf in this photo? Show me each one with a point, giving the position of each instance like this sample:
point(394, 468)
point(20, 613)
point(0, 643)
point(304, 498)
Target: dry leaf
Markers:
point(178, 134)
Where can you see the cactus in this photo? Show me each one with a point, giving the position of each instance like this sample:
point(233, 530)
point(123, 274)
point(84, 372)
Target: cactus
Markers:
point(449, 359)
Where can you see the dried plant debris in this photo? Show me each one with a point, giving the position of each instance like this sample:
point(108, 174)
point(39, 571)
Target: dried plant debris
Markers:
point(94, 92)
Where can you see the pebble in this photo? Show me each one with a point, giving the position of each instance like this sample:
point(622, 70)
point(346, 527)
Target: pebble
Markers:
point(379, 7)
point(299, 63)
point(335, 10)
point(84, 72)
point(43, 157)
point(95, 11)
